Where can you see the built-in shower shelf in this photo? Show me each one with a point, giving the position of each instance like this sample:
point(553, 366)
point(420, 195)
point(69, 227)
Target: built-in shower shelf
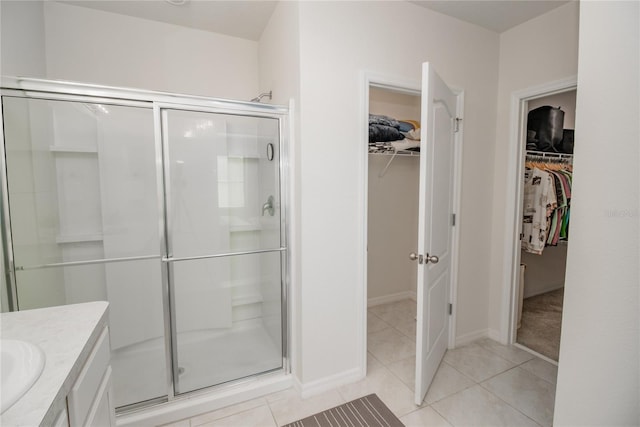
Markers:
point(77, 150)
point(251, 156)
point(78, 238)
point(246, 300)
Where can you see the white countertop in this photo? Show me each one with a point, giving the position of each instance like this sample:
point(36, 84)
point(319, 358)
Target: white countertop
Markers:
point(66, 334)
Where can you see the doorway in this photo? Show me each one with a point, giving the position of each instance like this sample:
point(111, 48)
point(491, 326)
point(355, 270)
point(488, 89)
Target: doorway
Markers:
point(537, 279)
point(435, 307)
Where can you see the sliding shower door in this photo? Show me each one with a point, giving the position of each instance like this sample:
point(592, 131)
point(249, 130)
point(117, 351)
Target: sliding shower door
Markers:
point(172, 214)
point(224, 244)
point(85, 224)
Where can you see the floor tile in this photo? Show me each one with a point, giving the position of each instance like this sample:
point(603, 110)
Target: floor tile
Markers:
point(446, 382)
point(405, 370)
point(374, 323)
point(476, 406)
point(288, 410)
point(228, 411)
point(526, 392)
point(372, 363)
point(408, 329)
point(256, 417)
point(389, 345)
point(542, 368)
point(510, 353)
point(396, 312)
point(424, 417)
point(477, 362)
point(393, 392)
point(181, 423)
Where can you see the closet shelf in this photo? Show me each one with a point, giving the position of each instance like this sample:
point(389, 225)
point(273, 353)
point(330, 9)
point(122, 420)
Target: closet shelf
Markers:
point(402, 153)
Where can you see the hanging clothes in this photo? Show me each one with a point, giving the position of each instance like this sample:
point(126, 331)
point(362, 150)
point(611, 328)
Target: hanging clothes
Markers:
point(539, 203)
point(547, 203)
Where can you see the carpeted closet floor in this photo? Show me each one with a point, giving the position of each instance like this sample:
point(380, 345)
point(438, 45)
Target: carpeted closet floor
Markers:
point(541, 322)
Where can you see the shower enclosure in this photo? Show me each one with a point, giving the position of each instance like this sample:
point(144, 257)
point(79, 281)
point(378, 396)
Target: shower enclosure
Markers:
point(170, 208)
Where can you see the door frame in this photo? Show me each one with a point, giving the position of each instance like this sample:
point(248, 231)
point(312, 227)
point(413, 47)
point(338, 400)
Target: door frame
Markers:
point(412, 87)
point(513, 205)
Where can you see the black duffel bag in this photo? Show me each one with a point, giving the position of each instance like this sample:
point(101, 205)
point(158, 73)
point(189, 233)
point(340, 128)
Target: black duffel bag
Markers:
point(548, 123)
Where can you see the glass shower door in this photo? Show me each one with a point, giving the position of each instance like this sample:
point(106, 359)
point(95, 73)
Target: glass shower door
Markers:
point(85, 224)
point(224, 245)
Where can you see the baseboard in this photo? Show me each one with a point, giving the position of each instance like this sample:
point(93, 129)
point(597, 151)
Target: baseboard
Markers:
point(200, 403)
point(472, 336)
point(321, 385)
point(495, 335)
point(542, 290)
point(372, 302)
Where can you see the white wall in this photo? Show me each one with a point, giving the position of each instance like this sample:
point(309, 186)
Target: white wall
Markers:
point(539, 51)
point(546, 272)
point(338, 40)
point(99, 47)
point(392, 227)
point(22, 50)
point(598, 377)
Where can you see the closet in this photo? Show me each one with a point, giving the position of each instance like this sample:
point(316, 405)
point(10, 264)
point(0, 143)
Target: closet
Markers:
point(393, 180)
point(544, 241)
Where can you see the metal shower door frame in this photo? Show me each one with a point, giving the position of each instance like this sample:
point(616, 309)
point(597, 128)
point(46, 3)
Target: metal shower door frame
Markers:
point(158, 101)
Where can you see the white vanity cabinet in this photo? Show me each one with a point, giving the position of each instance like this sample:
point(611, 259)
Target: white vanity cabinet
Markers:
point(90, 401)
point(74, 388)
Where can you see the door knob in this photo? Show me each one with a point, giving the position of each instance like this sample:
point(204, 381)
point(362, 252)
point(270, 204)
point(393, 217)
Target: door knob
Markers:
point(413, 256)
point(432, 259)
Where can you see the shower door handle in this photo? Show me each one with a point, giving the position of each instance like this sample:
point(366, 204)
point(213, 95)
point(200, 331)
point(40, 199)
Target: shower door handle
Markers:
point(268, 206)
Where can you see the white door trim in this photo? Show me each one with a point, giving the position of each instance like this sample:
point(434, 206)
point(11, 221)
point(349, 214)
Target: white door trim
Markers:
point(513, 205)
point(413, 87)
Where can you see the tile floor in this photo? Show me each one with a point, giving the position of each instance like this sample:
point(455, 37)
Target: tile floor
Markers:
point(480, 384)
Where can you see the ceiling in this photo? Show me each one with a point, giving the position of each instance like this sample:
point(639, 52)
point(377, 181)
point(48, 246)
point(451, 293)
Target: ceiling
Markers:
point(241, 18)
point(247, 19)
point(494, 15)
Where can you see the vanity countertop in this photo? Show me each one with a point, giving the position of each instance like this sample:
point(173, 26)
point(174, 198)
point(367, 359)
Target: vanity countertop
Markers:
point(66, 334)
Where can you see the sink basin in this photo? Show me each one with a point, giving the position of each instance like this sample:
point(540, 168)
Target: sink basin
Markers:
point(21, 365)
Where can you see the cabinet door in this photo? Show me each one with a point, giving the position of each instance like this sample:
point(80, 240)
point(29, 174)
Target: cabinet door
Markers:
point(62, 420)
point(102, 413)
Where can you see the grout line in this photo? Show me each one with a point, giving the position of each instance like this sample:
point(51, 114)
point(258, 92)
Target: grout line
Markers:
point(508, 404)
point(273, 416)
point(442, 415)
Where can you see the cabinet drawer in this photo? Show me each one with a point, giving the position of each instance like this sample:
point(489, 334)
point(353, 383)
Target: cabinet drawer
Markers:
point(85, 389)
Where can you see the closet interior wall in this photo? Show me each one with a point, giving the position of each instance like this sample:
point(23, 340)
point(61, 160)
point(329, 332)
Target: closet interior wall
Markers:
point(545, 273)
point(393, 208)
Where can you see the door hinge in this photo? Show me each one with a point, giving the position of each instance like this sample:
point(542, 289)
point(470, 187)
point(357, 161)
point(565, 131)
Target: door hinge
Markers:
point(453, 220)
point(521, 236)
point(450, 309)
point(456, 124)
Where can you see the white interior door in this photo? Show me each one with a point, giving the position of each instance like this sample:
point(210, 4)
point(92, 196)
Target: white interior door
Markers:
point(434, 226)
